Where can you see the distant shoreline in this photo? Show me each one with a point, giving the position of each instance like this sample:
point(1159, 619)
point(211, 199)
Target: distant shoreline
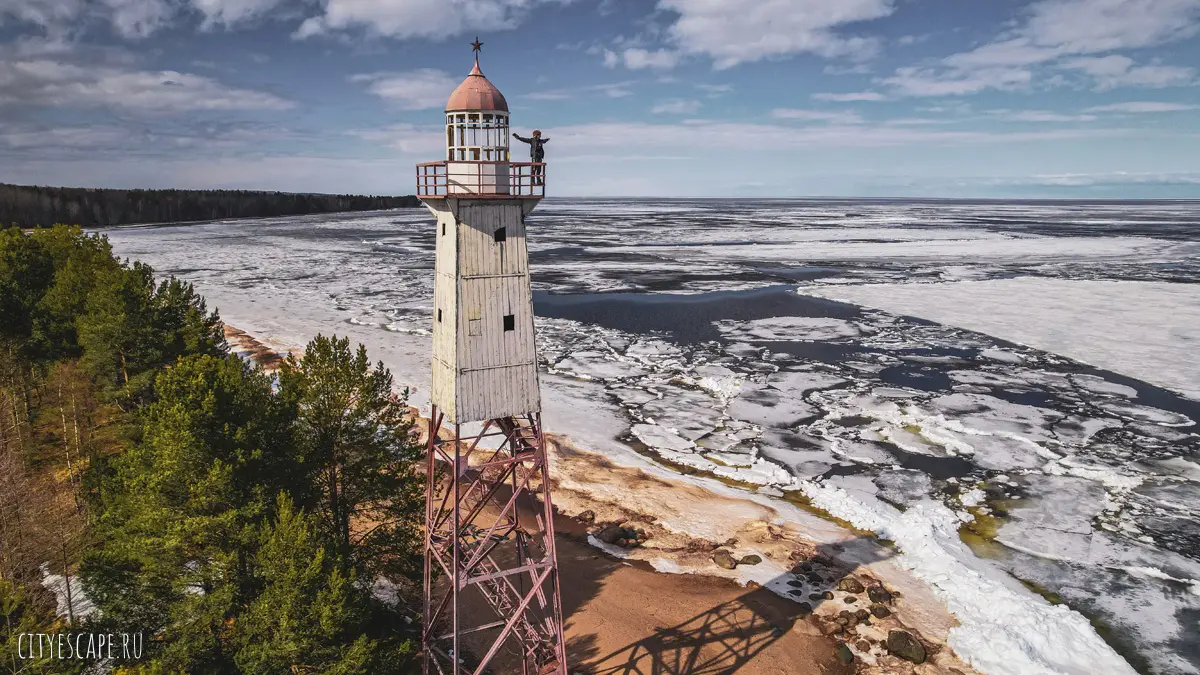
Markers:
point(92, 208)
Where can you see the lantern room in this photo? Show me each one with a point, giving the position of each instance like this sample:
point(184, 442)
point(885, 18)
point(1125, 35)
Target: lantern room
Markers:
point(477, 160)
point(476, 121)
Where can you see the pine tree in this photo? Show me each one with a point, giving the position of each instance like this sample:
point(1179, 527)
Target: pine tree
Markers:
point(182, 511)
point(116, 330)
point(355, 438)
point(26, 272)
point(311, 616)
point(130, 327)
point(78, 260)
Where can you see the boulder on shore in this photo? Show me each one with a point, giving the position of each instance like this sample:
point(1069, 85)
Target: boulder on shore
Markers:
point(902, 644)
point(619, 535)
point(851, 585)
point(879, 594)
point(844, 655)
point(725, 560)
point(610, 533)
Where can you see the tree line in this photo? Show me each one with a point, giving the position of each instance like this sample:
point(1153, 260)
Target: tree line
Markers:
point(31, 206)
point(238, 519)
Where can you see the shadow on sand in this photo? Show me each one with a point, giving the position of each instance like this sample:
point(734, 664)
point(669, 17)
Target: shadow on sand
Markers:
point(730, 636)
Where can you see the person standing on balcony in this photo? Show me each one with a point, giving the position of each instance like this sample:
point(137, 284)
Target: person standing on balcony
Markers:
point(536, 152)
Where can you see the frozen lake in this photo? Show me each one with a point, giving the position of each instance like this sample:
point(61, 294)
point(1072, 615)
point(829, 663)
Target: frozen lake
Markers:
point(1009, 388)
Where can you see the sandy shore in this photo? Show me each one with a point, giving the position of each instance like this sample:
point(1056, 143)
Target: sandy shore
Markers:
point(625, 614)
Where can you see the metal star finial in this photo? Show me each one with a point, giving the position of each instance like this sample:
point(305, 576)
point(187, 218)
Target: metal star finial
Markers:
point(476, 46)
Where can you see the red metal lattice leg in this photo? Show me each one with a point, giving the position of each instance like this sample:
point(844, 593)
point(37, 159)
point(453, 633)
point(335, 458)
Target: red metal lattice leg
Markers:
point(500, 590)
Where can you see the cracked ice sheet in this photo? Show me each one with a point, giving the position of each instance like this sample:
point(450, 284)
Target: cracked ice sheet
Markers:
point(353, 305)
point(789, 328)
point(1004, 630)
point(1143, 329)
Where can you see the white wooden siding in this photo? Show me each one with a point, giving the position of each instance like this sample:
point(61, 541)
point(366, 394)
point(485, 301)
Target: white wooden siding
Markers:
point(445, 299)
point(480, 370)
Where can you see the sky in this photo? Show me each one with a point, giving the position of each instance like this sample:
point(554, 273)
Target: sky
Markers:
point(674, 98)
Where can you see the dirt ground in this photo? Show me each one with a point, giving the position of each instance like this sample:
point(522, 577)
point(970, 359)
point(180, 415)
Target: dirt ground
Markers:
point(623, 619)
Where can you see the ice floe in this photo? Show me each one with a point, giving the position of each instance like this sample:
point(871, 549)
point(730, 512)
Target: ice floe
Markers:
point(1147, 330)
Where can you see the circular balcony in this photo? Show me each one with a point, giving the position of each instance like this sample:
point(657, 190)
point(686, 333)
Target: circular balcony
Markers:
point(481, 180)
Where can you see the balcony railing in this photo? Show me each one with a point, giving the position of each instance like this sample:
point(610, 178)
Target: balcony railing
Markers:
point(481, 179)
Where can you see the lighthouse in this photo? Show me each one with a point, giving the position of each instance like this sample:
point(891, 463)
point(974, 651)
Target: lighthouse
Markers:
point(489, 519)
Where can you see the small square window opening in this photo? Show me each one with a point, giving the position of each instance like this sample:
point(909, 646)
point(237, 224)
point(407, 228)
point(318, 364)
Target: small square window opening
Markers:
point(510, 322)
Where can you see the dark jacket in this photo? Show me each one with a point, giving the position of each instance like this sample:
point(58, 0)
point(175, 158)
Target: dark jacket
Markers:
point(536, 153)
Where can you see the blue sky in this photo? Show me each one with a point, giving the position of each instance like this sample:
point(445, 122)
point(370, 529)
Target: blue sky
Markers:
point(783, 98)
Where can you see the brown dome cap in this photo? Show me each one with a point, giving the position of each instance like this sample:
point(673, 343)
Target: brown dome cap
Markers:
point(475, 94)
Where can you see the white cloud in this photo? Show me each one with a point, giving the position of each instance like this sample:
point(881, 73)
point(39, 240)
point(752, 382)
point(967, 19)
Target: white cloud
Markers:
point(1142, 107)
point(1092, 26)
point(1013, 52)
point(410, 139)
point(232, 12)
point(139, 18)
point(1057, 28)
point(1101, 179)
point(856, 69)
point(288, 173)
point(432, 19)
point(720, 136)
point(51, 140)
point(829, 116)
point(679, 140)
point(908, 40)
point(732, 31)
point(916, 121)
point(1114, 70)
point(934, 82)
point(56, 83)
point(1038, 116)
point(715, 90)
point(607, 89)
point(850, 97)
point(413, 90)
point(48, 14)
point(141, 141)
point(676, 106)
point(1053, 31)
point(636, 58)
point(130, 19)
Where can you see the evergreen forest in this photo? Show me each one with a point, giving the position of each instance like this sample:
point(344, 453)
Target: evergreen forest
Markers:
point(243, 521)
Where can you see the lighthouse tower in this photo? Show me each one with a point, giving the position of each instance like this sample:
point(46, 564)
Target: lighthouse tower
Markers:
point(489, 527)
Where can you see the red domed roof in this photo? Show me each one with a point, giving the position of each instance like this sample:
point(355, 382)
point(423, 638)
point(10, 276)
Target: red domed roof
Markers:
point(476, 93)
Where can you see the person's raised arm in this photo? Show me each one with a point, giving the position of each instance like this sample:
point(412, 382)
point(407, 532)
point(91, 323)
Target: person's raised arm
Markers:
point(545, 139)
point(520, 138)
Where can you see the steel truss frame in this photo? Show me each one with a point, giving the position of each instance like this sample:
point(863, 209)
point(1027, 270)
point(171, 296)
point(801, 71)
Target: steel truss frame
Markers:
point(511, 568)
